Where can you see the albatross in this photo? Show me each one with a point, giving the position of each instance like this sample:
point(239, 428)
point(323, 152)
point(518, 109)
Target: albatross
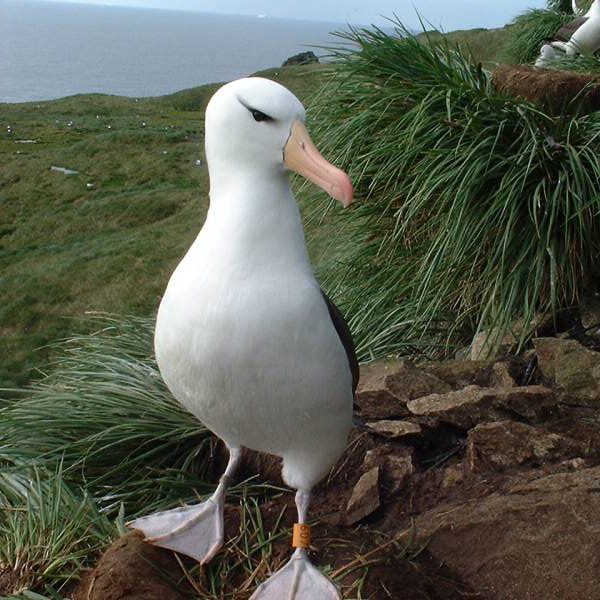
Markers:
point(585, 38)
point(245, 339)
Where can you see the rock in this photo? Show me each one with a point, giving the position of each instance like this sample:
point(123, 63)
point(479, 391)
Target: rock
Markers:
point(504, 444)
point(373, 398)
point(409, 381)
point(386, 386)
point(452, 475)
point(365, 497)
point(570, 366)
point(458, 374)
point(539, 539)
point(133, 569)
point(487, 345)
point(590, 315)
point(472, 405)
point(500, 376)
point(398, 470)
point(396, 466)
point(396, 429)
point(303, 58)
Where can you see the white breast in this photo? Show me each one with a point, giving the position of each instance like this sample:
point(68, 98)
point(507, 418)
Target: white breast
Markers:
point(245, 342)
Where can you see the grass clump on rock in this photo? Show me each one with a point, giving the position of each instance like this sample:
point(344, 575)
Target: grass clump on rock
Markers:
point(474, 209)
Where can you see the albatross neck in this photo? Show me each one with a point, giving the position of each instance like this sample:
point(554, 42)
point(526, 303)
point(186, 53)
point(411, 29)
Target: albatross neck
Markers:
point(255, 215)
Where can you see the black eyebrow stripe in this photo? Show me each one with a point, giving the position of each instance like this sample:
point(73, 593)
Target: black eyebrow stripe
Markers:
point(254, 109)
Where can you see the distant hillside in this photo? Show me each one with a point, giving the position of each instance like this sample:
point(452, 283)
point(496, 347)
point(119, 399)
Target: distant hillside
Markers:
point(106, 238)
point(487, 45)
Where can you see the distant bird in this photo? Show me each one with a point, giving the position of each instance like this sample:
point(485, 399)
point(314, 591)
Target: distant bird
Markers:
point(547, 55)
point(586, 37)
point(245, 338)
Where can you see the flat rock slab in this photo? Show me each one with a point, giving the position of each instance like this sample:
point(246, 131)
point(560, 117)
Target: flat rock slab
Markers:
point(396, 429)
point(518, 545)
point(474, 404)
point(501, 445)
point(365, 497)
point(570, 366)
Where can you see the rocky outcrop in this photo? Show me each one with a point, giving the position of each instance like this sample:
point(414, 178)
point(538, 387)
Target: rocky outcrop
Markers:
point(303, 58)
point(539, 538)
point(485, 473)
point(501, 479)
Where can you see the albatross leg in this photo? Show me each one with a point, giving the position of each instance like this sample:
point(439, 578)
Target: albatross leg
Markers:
point(196, 530)
point(298, 579)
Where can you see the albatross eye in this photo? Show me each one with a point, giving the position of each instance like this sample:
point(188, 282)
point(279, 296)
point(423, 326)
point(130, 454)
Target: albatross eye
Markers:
point(260, 116)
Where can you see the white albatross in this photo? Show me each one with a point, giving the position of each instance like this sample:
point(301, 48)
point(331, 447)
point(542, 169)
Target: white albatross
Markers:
point(586, 39)
point(245, 339)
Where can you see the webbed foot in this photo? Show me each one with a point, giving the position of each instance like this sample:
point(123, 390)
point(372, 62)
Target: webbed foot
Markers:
point(297, 580)
point(196, 531)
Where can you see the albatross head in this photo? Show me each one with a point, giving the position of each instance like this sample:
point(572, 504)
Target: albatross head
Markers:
point(257, 124)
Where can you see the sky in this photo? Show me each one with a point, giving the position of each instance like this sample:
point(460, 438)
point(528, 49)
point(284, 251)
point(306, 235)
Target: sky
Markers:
point(447, 15)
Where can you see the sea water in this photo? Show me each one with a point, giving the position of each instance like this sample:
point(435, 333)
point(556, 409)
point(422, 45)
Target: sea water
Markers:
point(50, 49)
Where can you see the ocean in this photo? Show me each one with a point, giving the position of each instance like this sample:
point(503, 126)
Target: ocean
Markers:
point(50, 50)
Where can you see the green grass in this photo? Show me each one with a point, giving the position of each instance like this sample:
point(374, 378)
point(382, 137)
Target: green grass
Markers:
point(66, 248)
point(101, 441)
point(49, 531)
point(474, 210)
point(106, 418)
point(487, 46)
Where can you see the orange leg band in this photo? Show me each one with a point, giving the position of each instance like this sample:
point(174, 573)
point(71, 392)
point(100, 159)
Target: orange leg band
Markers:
point(301, 537)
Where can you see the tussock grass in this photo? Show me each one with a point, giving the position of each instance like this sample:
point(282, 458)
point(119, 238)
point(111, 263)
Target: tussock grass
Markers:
point(105, 415)
point(49, 531)
point(586, 65)
point(474, 209)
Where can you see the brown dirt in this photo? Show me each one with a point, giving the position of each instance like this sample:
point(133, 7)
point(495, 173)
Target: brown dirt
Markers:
point(133, 570)
point(555, 91)
point(519, 526)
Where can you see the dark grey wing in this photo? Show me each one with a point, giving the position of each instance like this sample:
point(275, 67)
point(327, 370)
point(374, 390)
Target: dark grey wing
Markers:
point(343, 331)
point(566, 31)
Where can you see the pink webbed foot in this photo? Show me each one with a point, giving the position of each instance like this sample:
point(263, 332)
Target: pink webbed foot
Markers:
point(195, 531)
point(297, 580)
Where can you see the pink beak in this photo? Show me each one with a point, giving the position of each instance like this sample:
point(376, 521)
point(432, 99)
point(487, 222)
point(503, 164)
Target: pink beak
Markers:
point(301, 155)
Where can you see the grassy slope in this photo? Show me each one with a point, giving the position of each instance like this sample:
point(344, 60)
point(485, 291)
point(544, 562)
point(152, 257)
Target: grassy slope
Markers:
point(486, 45)
point(65, 248)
